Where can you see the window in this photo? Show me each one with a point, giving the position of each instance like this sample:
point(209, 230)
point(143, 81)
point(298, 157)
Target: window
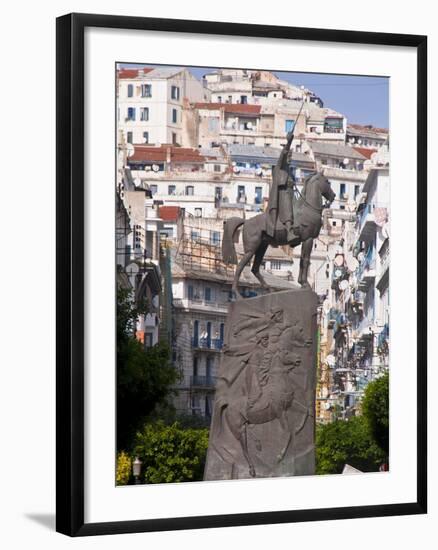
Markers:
point(213, 124)
point(145, 137)
point(174, 138)
point(289, 125)
point(190, 190)
point(217, 167)
point(131, 113)
point(171, 190)
point(207, 294)
point(129, 137)
point(230, 99)
point(196, 333)
point(194, 235)
point(243, 99)
point(195, 366)
point(275, 265)
point(218, 193)
point(209, 368)
point(258, 195)
point(219, 99)
point(146, 90)
point(153, 189)
point(356, 190)
point(190, 292)
point(241, 193)
point(148, 341)
point(144, 113)
point(174, 116)
point(174, 92)
point(130, 90)
point(342, 190)
point(215, 238)
point(198, 212)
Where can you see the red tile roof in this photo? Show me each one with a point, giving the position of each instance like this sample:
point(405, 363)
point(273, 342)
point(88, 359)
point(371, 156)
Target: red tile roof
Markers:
point(369, 128)
point(160, 154)
point(238, 108)
point(132, 73)
point(169, 213)
point(365, 152)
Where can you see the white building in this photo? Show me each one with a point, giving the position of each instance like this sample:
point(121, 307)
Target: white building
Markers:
point(150, 103)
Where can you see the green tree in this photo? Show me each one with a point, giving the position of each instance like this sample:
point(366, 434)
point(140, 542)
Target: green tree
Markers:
point(346, 442)
point(375, 408)
point(124, 468)
point(171, 454)
point(144, 377)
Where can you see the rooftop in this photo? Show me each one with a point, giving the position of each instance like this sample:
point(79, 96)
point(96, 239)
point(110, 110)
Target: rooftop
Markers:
point(169, 213)
point(336, 150)
point(236, 108)
point(148, 153)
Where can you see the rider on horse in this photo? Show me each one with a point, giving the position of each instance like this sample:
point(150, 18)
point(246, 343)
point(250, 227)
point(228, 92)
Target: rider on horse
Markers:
point(280, 205)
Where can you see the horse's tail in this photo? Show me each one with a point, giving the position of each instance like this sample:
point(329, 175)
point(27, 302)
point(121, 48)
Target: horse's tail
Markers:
point(228, 249)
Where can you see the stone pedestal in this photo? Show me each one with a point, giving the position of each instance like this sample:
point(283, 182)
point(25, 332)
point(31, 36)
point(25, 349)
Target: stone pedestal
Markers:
point(263, 421)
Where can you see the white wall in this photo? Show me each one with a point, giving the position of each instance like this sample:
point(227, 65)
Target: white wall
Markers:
point(28, 352)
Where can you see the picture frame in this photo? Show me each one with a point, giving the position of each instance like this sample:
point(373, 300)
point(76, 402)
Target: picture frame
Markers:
point(71, 477)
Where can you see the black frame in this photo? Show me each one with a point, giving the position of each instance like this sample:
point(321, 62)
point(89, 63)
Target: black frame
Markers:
point(70, 273)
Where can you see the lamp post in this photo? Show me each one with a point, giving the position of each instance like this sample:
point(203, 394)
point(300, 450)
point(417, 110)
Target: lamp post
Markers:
point(136, 469)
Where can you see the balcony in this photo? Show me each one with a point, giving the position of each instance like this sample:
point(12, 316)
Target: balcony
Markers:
point(207, 344)
point(366, 272)
point(203, 382)
point(367, 223)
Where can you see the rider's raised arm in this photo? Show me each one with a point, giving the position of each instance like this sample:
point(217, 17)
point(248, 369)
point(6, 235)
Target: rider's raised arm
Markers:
point(282, 159)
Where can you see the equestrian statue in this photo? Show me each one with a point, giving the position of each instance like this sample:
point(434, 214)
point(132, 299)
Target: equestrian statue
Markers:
point(292, 218)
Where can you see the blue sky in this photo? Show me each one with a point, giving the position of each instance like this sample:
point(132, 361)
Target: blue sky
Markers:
point(362, 99)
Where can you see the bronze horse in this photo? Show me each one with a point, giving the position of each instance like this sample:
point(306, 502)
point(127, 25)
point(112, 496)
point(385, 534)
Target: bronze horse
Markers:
point(308, 207)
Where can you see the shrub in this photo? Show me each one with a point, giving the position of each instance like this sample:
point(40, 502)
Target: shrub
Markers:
point(124, 468)
point(171, 454)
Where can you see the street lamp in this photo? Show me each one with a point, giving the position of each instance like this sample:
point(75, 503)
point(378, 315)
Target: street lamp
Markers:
point(136, 469)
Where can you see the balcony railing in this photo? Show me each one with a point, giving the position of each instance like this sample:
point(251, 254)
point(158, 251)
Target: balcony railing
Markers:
point(203, 381)
point(367, 266)
point(209, 344)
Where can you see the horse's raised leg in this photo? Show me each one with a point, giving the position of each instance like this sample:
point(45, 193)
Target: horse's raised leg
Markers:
point(306, 249)
point(246, 258)
point(284, 421)
point(244, 444)
point(258, 258)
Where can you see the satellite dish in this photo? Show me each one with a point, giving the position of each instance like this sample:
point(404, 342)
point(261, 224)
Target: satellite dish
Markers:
point(330, 360)
point(249, 125)
point(343, 285)
point(352, 263)
point(236, 169)
point(137, 182)
point(346, 161)
point(338, 272)
point(259, 171)
point(339, 260)
point(155, 167)
point(360, 256)
point(130, 149)
point(147, 168)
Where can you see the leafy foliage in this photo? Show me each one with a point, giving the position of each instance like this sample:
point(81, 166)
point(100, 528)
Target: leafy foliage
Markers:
point(144, 376)
point(171, 454)
point(124, 468)
point(375, 408)
point(346, 442)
